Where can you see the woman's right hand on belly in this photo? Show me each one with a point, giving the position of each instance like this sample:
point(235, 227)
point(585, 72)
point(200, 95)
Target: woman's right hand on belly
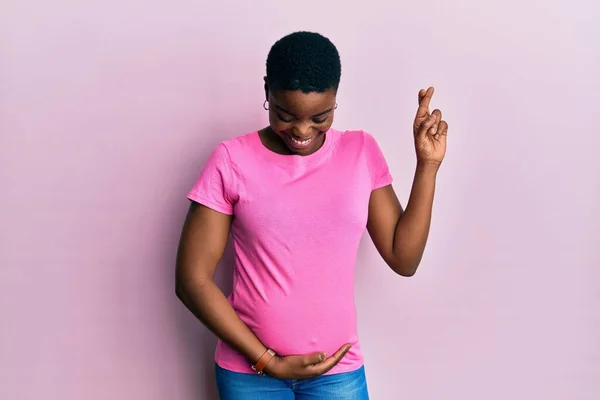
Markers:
point(304, 366)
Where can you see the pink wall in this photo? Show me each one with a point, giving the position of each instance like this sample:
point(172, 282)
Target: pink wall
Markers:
point(109, 108)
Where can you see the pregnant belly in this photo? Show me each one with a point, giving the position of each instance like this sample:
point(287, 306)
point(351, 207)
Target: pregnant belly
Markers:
point(302, 325)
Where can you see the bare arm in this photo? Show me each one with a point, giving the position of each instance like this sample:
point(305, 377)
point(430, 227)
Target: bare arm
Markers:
point(201, 247)
point(400, 236)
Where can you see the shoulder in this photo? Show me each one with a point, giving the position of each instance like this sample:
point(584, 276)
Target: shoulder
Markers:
point(238, 149)
point(239, 143)
point(362, 145)
point(229, 150)
point(357, 139)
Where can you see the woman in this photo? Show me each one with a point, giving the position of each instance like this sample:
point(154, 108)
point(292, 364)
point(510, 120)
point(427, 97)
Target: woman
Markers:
point(296, 198)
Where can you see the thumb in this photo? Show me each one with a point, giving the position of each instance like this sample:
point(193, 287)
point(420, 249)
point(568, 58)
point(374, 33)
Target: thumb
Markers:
point(314, 358)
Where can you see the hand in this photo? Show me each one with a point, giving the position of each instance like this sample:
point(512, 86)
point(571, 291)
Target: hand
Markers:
point(304, 366)
point(430, 131)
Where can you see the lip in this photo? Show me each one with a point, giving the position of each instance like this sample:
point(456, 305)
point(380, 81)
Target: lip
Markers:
point(293, 144)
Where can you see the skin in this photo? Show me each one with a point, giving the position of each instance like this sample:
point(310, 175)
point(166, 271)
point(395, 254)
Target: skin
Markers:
point(399, 235)
point(297, 115)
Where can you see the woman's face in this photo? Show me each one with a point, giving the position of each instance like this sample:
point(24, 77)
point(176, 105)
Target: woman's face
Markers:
point(301, 119)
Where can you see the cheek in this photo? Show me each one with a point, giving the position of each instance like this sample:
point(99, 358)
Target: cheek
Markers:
point(276, 124)
point(325, 126)
point(279, 128)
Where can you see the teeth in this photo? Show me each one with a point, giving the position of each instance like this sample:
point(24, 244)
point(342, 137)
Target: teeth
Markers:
point(302, 142)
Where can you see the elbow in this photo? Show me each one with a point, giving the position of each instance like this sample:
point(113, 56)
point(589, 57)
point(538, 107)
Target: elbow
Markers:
point(182, 286)
point(406, 272)
point(405, 269)
point(186, 285)
point(179, 290)
point(404, 260)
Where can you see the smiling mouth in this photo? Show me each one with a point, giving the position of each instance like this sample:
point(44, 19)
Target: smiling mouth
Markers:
point(301, 143)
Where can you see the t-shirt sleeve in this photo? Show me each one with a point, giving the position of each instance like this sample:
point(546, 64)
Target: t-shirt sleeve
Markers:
point(378, 167)
point(212, 186)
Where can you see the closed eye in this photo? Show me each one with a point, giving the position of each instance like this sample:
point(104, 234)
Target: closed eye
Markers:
point(320, 121)
point(281, 118)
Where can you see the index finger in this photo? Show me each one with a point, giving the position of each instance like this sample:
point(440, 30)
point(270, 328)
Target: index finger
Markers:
point(424, 101)
point(332, 361)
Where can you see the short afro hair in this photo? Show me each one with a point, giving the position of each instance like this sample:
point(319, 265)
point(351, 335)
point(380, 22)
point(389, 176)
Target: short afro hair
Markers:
point(303, 61)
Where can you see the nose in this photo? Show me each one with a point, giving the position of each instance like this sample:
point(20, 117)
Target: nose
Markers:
point(302, 131)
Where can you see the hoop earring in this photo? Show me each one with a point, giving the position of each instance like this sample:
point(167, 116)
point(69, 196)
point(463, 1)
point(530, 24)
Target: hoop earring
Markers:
point(265, 105)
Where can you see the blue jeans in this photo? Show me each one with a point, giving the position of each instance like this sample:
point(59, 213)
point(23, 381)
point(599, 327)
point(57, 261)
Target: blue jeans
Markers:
point(344, 386)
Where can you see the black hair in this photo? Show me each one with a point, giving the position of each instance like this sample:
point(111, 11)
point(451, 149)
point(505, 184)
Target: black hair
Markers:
point(305, 61)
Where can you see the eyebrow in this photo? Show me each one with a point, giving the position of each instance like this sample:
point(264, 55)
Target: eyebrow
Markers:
point(292, 114)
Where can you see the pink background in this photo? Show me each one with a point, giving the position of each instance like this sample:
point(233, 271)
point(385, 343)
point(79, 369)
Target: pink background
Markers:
point(109, 108)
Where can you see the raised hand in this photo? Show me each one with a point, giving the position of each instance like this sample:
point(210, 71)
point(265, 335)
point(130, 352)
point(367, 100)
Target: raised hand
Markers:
point(304, 366)
point(429, 130)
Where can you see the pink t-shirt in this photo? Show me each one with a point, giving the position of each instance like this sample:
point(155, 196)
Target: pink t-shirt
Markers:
point(296, 229)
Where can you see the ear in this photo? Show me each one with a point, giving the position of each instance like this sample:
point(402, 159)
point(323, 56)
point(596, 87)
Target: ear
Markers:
point(266, 89)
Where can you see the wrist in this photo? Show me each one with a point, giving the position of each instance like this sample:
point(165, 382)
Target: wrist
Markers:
point(256, 355)
point(428, 166)
point(262, 362)
point(271, 366)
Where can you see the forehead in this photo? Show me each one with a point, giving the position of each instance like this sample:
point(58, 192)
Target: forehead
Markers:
point(300, 103)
